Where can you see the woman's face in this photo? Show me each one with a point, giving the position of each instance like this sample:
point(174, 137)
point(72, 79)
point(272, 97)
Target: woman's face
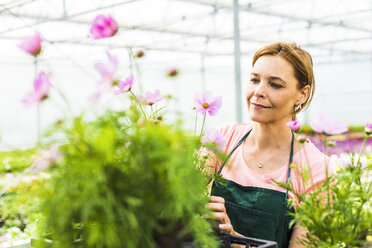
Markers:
point(272, 90)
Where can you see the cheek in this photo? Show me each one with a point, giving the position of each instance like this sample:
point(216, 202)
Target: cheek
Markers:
point(248, 92)
point(285, 102)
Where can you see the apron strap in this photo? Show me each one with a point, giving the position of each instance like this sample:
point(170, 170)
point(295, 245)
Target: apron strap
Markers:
point(289, 166)
point(283, 223)
point(237, 145)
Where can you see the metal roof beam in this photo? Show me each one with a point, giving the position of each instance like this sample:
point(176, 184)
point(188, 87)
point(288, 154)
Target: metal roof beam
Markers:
point(6, 8)
point(195, 34)
point(181, 50)
point(251, 9)
point(64, 17)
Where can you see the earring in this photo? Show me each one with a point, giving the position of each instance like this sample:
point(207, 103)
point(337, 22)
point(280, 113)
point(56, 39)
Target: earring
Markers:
point(297, 107)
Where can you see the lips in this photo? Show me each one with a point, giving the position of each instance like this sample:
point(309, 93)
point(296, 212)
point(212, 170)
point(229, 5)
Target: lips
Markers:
point(256, 105)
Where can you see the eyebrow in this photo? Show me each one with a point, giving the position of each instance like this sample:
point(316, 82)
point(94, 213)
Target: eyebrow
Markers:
point(272, 78)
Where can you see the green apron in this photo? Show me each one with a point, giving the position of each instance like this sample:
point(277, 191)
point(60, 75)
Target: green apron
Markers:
point(257, 212)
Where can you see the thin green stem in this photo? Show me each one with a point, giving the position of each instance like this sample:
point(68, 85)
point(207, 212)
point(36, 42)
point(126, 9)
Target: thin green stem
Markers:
point(356, 222)
point(361, 150)
point(201, 130)
point(134, 62)
point(300, 166)
point(139, 104)
point(196, 119)
point(326, 172)
point(38, 120)
point(59, 91)
point(38, 114)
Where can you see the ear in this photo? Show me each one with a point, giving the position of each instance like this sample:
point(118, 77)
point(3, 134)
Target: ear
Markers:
point(304, 95)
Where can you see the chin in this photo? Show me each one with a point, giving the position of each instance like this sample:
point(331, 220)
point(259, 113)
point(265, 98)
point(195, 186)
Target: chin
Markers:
point(267, 119)
point(259, 119)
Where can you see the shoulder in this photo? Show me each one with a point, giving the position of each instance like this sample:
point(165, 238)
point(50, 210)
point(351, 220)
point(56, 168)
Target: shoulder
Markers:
point(317, 164)
point(233, 132)
point(231, 129)
point(314, 154)
point(317, 158)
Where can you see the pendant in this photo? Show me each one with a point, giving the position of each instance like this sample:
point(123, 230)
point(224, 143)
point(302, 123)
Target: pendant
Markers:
point(259, 165)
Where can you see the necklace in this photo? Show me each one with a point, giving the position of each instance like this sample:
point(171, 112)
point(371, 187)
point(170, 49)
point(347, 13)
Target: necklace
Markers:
point(260, 163)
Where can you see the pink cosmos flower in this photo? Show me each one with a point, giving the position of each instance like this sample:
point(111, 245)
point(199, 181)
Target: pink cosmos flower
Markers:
point(107, 71)
point(41, 89)
point(125, 86)
point(47, 158)
point(294, 125)
point(368, 128)
point(206, 102)
point(152, 97)
point(31, 45)
point(326, 125)
point(103, 27)
point(214, 137)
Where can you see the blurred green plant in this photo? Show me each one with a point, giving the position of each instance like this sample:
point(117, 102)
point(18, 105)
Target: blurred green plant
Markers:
point(338, 212)
point(125, 181)
point(16, 160)
point(306, 129)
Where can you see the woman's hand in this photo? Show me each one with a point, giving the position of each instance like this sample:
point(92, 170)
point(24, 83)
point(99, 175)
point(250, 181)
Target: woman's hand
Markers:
point(217, 205)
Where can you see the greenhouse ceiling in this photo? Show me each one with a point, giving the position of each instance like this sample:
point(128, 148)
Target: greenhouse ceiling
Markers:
point(335, 30)
point(197, 37)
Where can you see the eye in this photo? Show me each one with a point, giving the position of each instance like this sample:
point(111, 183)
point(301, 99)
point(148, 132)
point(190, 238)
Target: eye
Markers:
point(276, 86)
point(254, 80)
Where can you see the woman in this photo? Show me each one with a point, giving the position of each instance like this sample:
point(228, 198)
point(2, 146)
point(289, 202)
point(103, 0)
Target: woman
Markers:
point(251, 204)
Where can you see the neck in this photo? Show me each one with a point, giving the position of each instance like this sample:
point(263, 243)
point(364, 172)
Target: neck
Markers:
point(270, 136)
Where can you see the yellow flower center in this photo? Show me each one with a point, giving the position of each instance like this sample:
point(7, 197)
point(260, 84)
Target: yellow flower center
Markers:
point(205, 105)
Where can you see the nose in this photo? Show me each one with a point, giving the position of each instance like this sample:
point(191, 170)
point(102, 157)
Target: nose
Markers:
point(259, 90)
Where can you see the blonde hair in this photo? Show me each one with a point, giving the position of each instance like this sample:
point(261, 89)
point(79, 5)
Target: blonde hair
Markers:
point(300, 60)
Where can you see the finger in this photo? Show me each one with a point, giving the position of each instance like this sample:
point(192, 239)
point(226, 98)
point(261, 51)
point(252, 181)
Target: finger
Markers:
point(217, 199)
point(220, 216)
point(226, 228)
point(216, 207)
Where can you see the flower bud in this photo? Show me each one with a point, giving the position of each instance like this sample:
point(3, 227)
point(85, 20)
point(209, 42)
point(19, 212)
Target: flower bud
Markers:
point(368, 129)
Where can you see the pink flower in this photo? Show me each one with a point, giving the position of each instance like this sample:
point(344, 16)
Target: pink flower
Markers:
point(207, 103)
point(41, 89)
point(153, 97)
point(326, 125)
point(47, 158)
point(294, 125)
point(107, 71)
point(31, 45)
point(214, 137)
point(125, 86)
point(103, 27)
point(368, 129)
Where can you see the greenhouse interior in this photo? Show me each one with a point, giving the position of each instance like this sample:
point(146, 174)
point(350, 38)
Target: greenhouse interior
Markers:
point(155, 123)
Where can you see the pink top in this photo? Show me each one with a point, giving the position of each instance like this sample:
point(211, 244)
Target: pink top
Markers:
point(236, 169)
